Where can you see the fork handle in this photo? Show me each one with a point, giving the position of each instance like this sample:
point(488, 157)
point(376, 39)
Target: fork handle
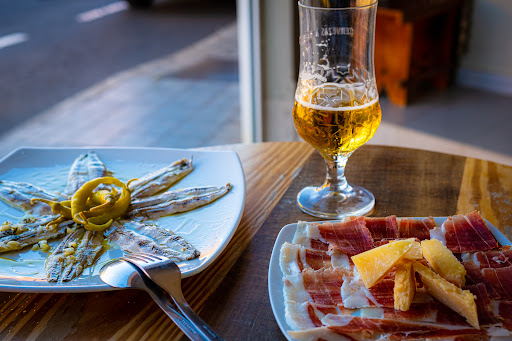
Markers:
point(202, 327)
point(196, 321)
point(158, 295)
point(182, 322)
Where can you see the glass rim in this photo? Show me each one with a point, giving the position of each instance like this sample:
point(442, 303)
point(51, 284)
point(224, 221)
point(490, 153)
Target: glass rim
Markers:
point(374, 2)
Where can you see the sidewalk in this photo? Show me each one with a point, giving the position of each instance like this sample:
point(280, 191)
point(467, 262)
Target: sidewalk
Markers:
point(186, 100)
point(164, 98)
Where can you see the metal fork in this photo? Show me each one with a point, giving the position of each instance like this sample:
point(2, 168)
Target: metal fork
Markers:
point(114, 276)
point(167, 275)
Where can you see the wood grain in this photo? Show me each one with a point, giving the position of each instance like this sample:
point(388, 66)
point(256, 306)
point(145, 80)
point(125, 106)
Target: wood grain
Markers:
point(487, 187)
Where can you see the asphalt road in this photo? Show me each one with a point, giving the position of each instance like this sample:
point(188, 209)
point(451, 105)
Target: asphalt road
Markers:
point(52, 49)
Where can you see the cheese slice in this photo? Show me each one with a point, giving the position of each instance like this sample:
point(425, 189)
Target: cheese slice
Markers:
point(461, 301)
point(415, 253)
point(405, 285)
point(373, 264)
point(442, 261)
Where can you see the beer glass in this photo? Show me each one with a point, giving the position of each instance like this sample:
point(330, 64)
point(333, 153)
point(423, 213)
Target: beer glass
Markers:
point(336, 102)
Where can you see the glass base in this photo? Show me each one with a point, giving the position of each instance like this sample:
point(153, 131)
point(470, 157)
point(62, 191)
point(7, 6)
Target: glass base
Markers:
point(323, 203)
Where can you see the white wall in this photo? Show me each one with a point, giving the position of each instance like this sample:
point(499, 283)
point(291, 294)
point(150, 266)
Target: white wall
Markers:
point(279, 80)
point(488, 63)
point(268, 78)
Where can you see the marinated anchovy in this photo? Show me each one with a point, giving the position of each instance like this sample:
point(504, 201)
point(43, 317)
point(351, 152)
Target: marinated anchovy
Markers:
point(73, 254)
point(172, 195)
point(161, 179)
point(86, 167)
point(15, 236)
point(95, 167)
point(179, 205)
point(20, 194)
point(151, 239)
point(78, 174)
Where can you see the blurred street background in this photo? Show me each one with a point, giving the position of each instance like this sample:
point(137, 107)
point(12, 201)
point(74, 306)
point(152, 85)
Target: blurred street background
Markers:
point(92, 70)
point(51, 50)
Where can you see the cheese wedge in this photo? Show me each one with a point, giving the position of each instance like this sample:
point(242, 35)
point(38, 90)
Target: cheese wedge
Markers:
point(461, 301)
point(373, 264)
point(442, 261)
point(405, 285)
point(415, 253)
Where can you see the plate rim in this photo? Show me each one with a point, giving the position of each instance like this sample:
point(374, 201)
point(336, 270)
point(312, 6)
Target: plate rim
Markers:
point(277, 294)
point(61, 287)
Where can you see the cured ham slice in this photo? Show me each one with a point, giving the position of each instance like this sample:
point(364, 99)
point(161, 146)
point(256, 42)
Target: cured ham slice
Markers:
point(494, 258)
point(474, 276)
point(445, 315)
point(431, 311)
point(483, 304)
point(445, 334)
point(382, 228)
point(348, 324)
point(416, 228)
point(308, 236)
point(317, 259)
point(324, 286)
point(501, 258)
point(319, 334)
point(319, 245)
point(301, 311)
point(351, 237)
point(501, 280)
point(295, 258)
point(331, 334)
point(468, 233)
point(386, 241)
point(505, 311)
point(383, 294)
point(417, 312)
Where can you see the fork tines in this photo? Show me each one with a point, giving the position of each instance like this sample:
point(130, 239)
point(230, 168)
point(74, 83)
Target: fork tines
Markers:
point(146, 257)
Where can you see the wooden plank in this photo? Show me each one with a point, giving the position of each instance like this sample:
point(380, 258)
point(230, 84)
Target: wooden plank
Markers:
point(487, 187)
point(408, 182)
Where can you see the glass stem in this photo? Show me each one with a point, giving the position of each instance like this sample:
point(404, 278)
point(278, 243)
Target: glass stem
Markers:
point(335, 180)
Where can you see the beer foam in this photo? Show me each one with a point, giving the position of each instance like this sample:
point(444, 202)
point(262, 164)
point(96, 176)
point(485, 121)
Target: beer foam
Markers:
point(319, 107)
point(341, 87)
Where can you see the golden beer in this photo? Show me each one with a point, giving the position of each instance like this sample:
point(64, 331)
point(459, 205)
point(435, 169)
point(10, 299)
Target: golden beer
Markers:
point(336, 130)
point(336, 100)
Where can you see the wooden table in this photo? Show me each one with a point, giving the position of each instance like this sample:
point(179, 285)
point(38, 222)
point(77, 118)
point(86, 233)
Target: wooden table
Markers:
point(231, 295)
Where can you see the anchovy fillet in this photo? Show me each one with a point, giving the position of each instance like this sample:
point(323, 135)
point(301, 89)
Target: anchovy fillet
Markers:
point(78, 174)
point(95, 167)
point(86, 167)
point(184, 204)
point(160, 179)
point(30, 231)
point(172, 195)
point(74, 253)
point(151, 239)
point(19, 195)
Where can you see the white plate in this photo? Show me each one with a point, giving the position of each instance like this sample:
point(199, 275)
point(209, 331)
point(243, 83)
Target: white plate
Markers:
point(275, 276)
point(208, 228)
